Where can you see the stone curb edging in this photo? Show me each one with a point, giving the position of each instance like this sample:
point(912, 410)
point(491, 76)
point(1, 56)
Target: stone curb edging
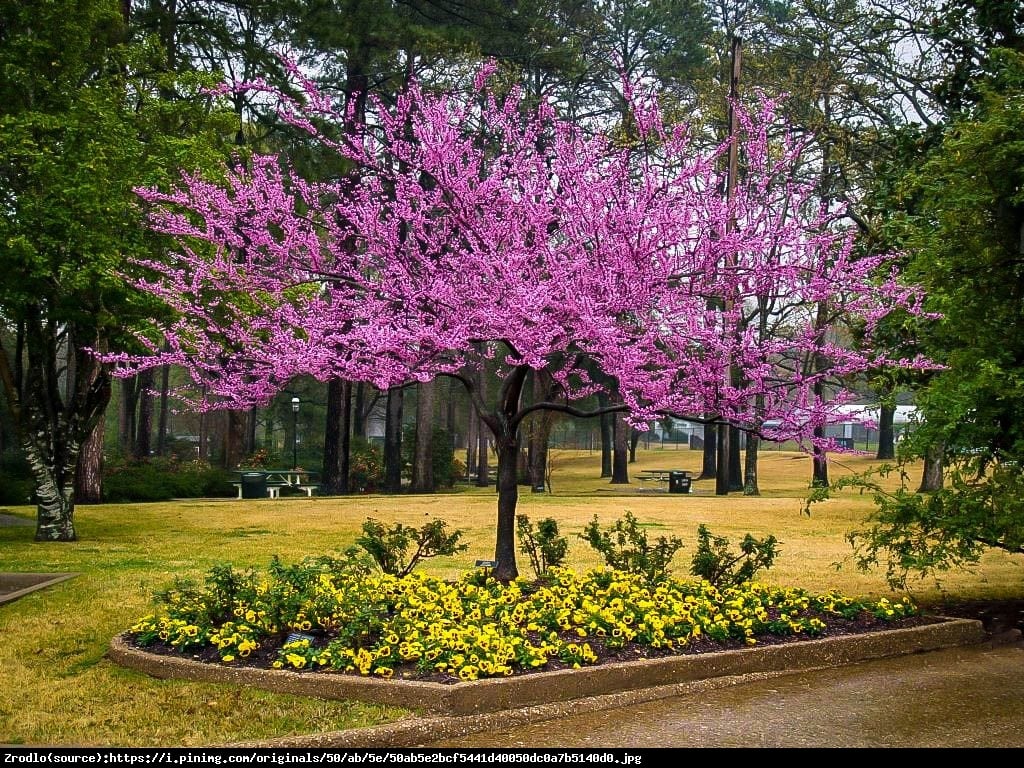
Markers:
point(467, 707)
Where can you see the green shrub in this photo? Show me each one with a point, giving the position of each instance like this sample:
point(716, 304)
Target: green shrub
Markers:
point(545, 548)
point(366, 466)
point(17, 486)
point(713, 560)
point(389, 547)
point(446, 471)
point(162, 479)
point(625, 547)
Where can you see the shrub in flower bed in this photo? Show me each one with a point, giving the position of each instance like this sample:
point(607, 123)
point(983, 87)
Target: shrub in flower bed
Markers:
point(335, 615)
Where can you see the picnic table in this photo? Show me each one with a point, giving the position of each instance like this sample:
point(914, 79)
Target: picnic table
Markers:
point(679, 480)
point(273, 480)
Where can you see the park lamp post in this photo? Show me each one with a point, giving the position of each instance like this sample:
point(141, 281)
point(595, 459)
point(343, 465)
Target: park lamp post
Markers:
point(295, 433)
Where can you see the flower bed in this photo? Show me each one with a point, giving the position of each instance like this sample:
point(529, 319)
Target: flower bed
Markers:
point(324, 615)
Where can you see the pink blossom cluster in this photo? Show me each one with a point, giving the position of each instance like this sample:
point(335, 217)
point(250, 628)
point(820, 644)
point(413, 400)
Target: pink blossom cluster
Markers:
point(475, 226)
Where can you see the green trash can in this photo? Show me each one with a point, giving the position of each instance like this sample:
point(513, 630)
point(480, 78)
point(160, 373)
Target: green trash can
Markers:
point(678, 482)
point(254, 485)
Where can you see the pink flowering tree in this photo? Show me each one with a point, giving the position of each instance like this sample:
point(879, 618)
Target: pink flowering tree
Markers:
point(476, 228)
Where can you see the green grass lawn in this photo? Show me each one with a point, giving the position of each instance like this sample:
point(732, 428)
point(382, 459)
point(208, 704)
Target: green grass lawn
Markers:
point(59, 689)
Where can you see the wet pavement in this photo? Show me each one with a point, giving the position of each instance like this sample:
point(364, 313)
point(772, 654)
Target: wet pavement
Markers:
point(971, 697)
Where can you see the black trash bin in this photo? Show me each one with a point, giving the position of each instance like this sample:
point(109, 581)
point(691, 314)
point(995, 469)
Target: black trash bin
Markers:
point(678, 482)
point(254, 485)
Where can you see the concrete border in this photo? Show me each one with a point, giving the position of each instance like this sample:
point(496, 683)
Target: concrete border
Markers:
point(503, 695)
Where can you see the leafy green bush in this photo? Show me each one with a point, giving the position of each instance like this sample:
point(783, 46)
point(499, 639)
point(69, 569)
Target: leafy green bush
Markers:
point(625, 547)
point(446, 472)
point(17, 485)
point(366, 466)
point(389, 546)
point(545, 548)
point(162, 479)
point(713, 560)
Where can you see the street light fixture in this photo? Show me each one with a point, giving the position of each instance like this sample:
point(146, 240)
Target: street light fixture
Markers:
point(295, 433)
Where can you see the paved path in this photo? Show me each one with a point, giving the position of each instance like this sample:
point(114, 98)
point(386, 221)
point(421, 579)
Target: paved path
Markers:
point(962, 697)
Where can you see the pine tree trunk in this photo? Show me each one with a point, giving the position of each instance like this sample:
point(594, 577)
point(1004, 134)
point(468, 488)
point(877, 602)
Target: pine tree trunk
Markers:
point(886, 435)
point(620, 451)
point(819, 463)
point(251, 418)
point(750, 487)
point(423, 449)
point(483, 470)
point(144, 429)
point(163, 420)
point(483, 467)
point(359, 412)
point(709, 466)
point(234, 438)
point(735, 460)
point(393, 441)
point(89, 469)
point(337, 449)
point(722, 468)
point(472, 425)
point(932, 475)
point(607, 439)
point(126, 416)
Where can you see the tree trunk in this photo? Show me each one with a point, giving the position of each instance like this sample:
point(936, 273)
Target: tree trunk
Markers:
point(735, 462)
point(203, 447)
point(55, 500)
point(505, 569)
point(483, 469)
point(472, 425)
point(358, 412)
point(620, 453)
point(144, 430)
point(89, 469)
point(886, 435)
point(541, 424)
point(126, 416)
point(750, 487)
point(423, 449)
point(819, 463)
point(234, 438)
point(393, 441)
point(52, 427)
point(538, 458)
point(932, 474)
point(722, 468)
point(607, 438)
point(252, 417)
point(709, 466)
point(163, 420)
point(337, 453)
point(451, 424)
point(634, 441)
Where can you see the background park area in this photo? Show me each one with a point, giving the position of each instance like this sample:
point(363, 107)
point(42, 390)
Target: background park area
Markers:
point(61, 690)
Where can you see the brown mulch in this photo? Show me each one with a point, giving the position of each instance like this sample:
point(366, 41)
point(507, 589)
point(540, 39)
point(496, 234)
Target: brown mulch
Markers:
point(997, 616)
